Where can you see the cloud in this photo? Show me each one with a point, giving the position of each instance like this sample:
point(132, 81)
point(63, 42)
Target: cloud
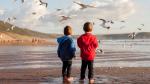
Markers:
point(45, 19)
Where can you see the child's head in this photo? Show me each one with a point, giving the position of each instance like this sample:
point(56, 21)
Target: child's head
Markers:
point(88, 27)
point(67, 30)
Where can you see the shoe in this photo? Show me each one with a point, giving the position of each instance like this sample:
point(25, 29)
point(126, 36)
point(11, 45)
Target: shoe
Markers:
point(91, 81)
point(70, 79)
point(64, 79)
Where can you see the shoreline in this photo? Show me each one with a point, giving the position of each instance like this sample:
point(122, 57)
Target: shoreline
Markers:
point(26, 43)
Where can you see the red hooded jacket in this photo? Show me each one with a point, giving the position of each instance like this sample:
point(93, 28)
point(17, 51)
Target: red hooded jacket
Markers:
point(87, 44)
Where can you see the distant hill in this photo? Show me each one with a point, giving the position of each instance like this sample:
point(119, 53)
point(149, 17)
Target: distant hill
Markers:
point(26, 33)
point(23, 32)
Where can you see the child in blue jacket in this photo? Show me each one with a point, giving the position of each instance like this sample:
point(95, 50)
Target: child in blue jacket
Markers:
point(66, 52)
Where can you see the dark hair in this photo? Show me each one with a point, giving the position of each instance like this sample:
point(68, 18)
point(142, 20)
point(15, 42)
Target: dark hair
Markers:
point(87, 27)
point(67, 30)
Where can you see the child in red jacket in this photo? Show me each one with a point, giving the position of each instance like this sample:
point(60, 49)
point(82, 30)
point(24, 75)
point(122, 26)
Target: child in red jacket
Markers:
point(87, 44)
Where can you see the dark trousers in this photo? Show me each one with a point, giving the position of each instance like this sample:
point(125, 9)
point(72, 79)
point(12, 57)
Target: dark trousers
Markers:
point(66, 68)
point(90, 69)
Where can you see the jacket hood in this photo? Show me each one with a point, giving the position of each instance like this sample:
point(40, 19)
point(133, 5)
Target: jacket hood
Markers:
point(62, 39)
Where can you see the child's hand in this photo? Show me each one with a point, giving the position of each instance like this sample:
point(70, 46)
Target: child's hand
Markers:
point(74, 57)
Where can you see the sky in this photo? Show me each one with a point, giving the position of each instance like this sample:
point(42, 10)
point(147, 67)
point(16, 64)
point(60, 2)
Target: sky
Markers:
point(48, 20)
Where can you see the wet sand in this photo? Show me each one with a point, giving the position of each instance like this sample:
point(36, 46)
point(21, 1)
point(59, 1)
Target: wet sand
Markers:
point(52, 76)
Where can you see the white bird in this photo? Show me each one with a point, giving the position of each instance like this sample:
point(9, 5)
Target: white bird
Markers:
point(8, 29)
point(122, 21)
point(21, 1)
point(132, 35)
point(33, 13)
point(83, 6)
point(65, 18)
point(58, 9)
point(100, 50)
point(122, 27)
point(142, 24)
point(12, 27)
point(139, 28)
point(43, 3)
point(104, 24)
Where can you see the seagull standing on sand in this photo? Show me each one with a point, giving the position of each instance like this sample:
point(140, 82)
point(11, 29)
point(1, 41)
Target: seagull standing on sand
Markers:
point(43, 3)
point(100, 50)
point(83, 6)
point(132, 35)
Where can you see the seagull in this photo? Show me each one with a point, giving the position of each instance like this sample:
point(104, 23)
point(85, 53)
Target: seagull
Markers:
point(142, 24)
point(83, 6)
point(12, 27)
point(139, 28)
point(112, 22)
point(34, 13)
point(21, 1)
point(65, 18)
point(8, 29)
point(122, 27)
point(99, 41)
point(122, 21)
point(100, 50)
point(93, 23)
point(8, 19)
point(14, 18)
point(43, 3)
point(103, 24)
point(58, 9)
point(132, 35)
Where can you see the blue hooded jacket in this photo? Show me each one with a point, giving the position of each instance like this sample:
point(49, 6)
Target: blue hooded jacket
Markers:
point(66, 49)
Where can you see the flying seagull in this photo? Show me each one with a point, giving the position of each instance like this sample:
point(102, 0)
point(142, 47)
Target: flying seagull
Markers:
point(83, 6)
point(122, 27)
point(58, 9)
point(12, 27)
point(122, 21)
point(142, 24)
point(21, 1)
point(103, 24)
point(43, 3)
point(65, 18)
point(33, 13)
point(139, 28)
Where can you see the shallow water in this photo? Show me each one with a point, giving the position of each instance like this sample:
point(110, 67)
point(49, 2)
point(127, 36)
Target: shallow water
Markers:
point(117, 53)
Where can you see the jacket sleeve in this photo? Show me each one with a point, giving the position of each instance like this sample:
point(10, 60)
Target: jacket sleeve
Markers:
point(72, 47)
point(95, 43)
point(78, 42)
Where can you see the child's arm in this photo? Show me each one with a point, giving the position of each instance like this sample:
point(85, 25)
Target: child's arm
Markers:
point(95, 43)
point(72, 47)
